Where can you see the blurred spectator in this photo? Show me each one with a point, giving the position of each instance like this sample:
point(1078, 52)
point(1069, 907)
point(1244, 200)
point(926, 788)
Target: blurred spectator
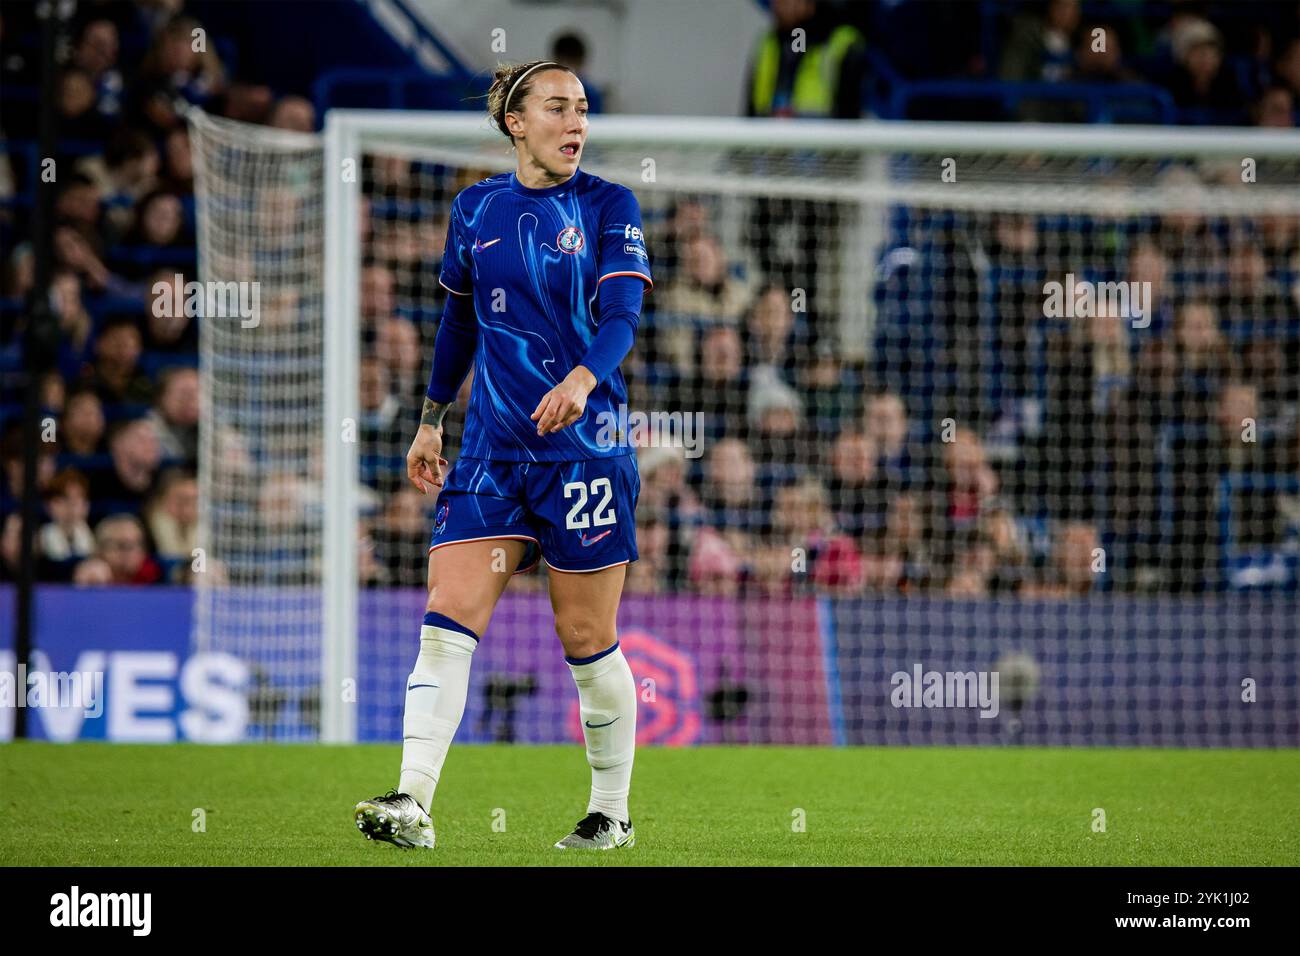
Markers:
point(886, 424)
point(801, 518)
point(92, 572)
point(1201, 79)
point(401, 536)
point(115, 377)
point(899, 558)
point(172, 515)
point(67, 535)
point(1245, 443)
point(569, 49)
point(1149, 266)
point(1279, 237)
point(770, 328)
point(159, 221)
point(1016, 240)
point(989, 560)
point(650, 573)
point(1008, 552)
point(125, 173)
point(702, 292)
point(1098, 57)
point(134, 455)
point(822, 77)
point(718, 561)
point(282, 502)
point(74, 251)
point(78, 117)
point(1075, 549)
point(77, 204)
point(393, 177)
point(11, 546)
point(1204, 358)
point(1177, 375)
point(404, 247)
point(95, 52)
point(120, 543)
point(664, 491)
point(1041, 45)
point(858, 494)
point(782, 447)
point(75, 324)
point(371, 572)
point(719, 388)
point(11, 453)
point(827, 395)
point(82, 430)
point(53, 393)
point(19, 272)
point(175, 416)
point(1275, 108)
point(1264, 318)
point(378, 299)
point(1087, 368)
point(768, 569)
point(168, 330)
point(663, 483)
point(969, 576)
point(1164, 423)
point(398, 349)
point(1286, 68)
point(964, 491)
point(178, 162)
point(688, 217)
point(730, 491)
point(232, 459)
point(379, 408)
point(45, 568)
point(293, 113)
point(173, 70)
point(248, 102)
point(1237, 425)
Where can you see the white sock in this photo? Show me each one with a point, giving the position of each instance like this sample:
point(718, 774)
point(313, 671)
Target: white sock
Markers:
point(607, 697)
point(435, 701)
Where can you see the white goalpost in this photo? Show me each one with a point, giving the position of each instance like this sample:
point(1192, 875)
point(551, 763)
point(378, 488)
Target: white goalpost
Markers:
point(918, 255)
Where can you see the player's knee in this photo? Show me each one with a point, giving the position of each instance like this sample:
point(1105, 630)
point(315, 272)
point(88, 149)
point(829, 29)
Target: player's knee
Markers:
point(458, 609)
point(581, 636)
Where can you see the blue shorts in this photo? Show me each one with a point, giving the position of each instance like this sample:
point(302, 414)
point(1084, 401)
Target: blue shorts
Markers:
point(579, 515)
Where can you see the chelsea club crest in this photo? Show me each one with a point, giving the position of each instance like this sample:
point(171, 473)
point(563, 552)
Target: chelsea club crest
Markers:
point(570, 239)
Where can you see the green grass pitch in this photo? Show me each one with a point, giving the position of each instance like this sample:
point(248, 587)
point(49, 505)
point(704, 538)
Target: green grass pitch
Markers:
point(125, 805)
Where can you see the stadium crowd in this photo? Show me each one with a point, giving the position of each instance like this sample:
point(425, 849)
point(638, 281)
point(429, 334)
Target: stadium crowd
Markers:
point(1187, 62)
point(118, 459)
point(820, 473)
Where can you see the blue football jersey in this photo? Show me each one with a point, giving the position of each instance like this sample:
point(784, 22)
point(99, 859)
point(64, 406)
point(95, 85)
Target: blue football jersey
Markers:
point(533, 260)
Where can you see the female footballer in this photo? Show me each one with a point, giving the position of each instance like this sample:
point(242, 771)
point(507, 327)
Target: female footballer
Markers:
point(544, 268)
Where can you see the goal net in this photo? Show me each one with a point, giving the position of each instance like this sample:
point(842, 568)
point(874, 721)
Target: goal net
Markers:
point(948, 434)
point(261, 223)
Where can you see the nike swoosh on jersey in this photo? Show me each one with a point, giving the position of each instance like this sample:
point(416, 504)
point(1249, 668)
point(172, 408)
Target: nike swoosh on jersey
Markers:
point(588, 542)
point(480, 246)
point(595, 726)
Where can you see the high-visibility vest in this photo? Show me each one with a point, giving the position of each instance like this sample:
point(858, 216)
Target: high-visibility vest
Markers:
point(815, 78)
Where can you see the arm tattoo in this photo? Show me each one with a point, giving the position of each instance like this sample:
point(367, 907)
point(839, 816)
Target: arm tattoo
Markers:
point(434, 412)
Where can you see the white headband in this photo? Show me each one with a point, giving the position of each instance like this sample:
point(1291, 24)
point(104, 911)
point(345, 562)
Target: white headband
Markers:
point(515, 85)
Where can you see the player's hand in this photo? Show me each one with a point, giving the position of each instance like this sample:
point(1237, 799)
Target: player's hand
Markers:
point(564, 404)
point(424, 461)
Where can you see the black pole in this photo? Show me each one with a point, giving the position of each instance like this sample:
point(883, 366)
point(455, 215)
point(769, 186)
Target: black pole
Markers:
point(40, 335)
